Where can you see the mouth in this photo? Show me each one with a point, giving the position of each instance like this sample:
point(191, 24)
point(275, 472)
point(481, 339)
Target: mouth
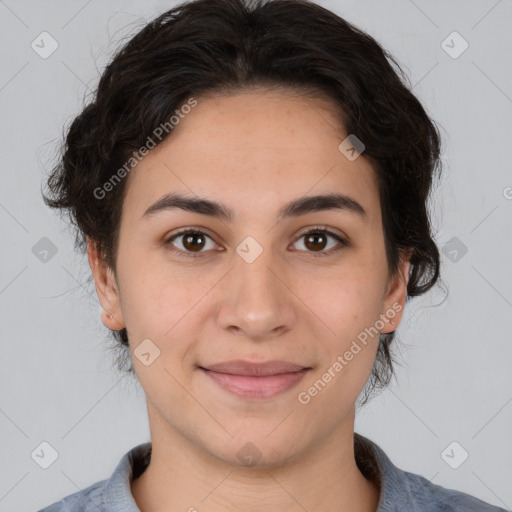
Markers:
point(255, 380)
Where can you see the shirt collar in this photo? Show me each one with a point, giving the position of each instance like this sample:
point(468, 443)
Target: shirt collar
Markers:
point(395, 488)
point(370, 458)
point(118, 495)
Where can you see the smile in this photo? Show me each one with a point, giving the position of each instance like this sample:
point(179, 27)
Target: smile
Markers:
point(255, 381)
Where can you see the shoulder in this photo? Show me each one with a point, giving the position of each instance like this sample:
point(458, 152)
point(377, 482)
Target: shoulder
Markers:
point(409, 492)
point(89, 499)
point(425, 496)
point(112, 494)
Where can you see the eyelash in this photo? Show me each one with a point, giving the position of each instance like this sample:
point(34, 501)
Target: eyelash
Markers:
point(317, 230)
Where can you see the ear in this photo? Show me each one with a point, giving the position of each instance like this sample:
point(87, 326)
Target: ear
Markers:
point(106, 288)
point(396, 293)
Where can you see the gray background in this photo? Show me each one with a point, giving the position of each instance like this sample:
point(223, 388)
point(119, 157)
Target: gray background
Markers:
point(57, 381)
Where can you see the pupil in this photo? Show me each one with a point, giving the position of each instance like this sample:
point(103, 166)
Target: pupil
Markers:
point(188, 241)
point(313, 237)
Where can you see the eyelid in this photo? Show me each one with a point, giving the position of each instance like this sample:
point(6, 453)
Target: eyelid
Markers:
point(323, 228)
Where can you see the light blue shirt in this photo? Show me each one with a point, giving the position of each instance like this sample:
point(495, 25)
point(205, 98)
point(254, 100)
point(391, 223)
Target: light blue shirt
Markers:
point(401, 491)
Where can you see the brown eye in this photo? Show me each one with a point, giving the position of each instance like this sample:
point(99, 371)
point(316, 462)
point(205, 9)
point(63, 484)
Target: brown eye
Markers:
point(189, 241)
point(317, 240)
point(193, 241)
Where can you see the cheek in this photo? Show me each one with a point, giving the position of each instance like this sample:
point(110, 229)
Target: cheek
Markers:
point(152, 302)
point(170, 311)
point(346, 303)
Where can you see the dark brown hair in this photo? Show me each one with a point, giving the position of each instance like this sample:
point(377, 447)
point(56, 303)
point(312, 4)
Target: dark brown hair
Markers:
point(224, 46)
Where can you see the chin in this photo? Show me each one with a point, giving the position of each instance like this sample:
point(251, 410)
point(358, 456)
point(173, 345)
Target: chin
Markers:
point(254, 450)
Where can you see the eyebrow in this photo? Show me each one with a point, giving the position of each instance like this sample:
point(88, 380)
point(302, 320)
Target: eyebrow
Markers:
point(295, 208)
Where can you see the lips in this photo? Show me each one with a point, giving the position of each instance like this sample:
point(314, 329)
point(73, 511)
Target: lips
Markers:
point(240, 367)
point(255, 380)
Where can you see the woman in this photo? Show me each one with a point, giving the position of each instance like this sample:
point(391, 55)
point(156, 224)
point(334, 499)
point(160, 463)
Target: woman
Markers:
point(251, 185)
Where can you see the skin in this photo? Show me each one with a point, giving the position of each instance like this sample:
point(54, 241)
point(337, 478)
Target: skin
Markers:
point(254, 152)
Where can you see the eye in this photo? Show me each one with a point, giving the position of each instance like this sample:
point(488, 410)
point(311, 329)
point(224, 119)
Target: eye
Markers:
point(316, 240)
point(194, 241)
point(191, 241)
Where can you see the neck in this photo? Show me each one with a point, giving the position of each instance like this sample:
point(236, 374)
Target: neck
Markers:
point(182, 476)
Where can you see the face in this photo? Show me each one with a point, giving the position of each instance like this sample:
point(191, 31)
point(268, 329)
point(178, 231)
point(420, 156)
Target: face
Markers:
point(253, 287)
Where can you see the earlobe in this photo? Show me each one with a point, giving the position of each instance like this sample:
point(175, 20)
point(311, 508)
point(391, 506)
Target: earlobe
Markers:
point(109, 320)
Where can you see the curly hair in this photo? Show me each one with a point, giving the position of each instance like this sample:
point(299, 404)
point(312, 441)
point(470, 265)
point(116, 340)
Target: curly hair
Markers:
point(225, 46)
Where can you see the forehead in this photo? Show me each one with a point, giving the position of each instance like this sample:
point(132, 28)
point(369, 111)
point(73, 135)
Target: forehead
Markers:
point(254, 151)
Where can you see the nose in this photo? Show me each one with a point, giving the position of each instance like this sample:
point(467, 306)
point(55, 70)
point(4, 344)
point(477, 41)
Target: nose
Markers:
point(255, 299)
